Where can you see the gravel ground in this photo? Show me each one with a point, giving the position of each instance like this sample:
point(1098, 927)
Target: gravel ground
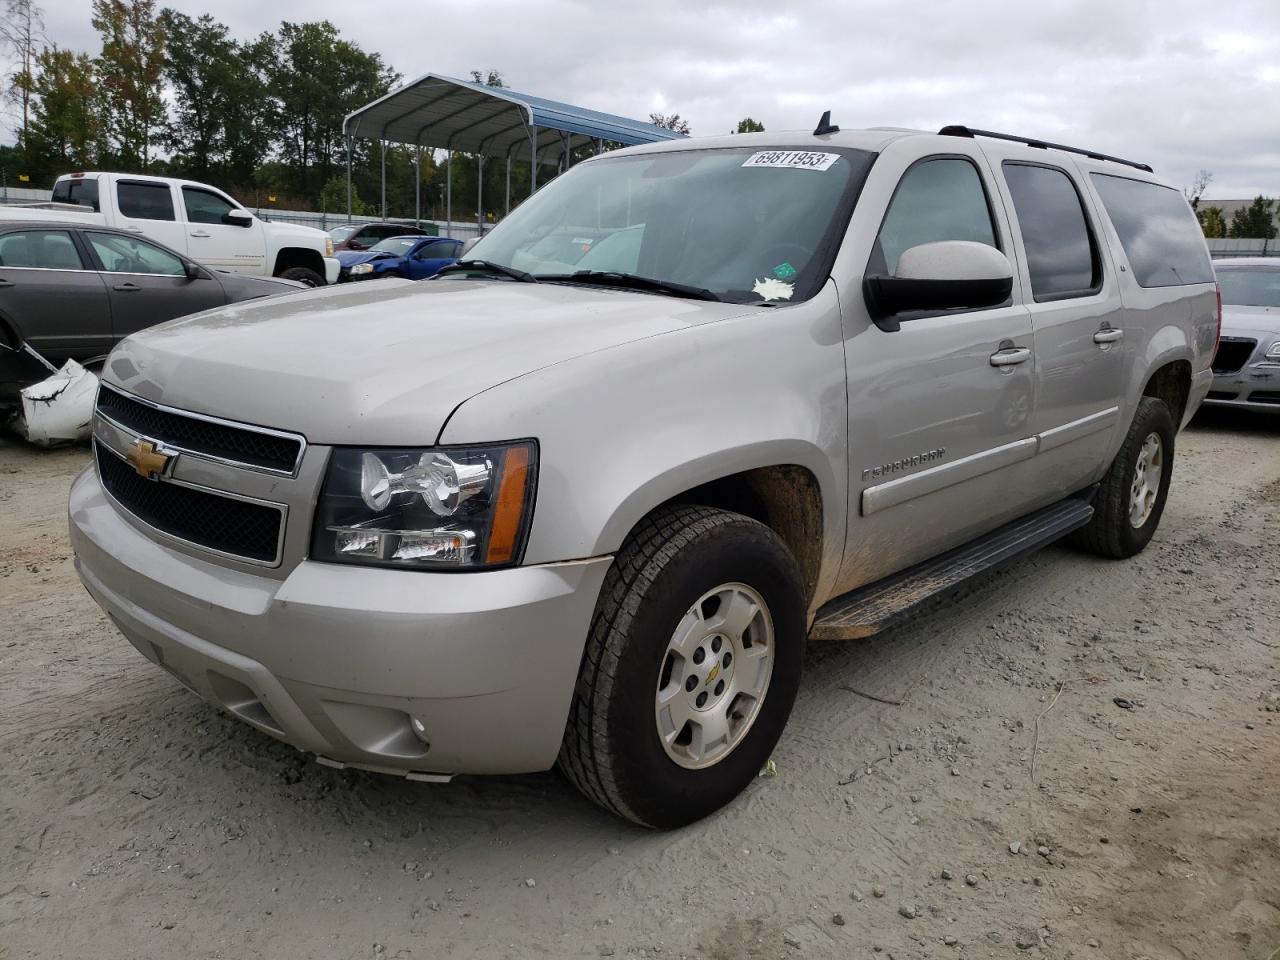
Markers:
point(138, 822)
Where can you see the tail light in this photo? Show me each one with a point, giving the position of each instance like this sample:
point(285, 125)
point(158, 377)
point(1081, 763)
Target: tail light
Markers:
point(1217, 337)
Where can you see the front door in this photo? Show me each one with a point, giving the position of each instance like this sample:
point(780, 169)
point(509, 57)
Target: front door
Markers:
point(50, 298)
point(939, 411)
point(147, 284)
point(213, 241)
point(430, 257)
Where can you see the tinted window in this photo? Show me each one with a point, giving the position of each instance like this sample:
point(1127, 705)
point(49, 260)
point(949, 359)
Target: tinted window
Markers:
point(131, 255)
point(205, 207)
point(397, 245)
point(936, 200)
point(1060, 254)
point(82, 192)
point(1158, 231)
point(50, 249)
point(1250, 286)
point(145, 201)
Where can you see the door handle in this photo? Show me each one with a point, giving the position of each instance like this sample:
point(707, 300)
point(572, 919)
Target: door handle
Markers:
point(201, 233)
point(126, 287)
point(1010, 356)
point(1108, 335)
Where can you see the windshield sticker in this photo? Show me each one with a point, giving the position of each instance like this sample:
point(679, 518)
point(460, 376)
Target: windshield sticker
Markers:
point(792, 159)
point(785, 271)
point(772, 289)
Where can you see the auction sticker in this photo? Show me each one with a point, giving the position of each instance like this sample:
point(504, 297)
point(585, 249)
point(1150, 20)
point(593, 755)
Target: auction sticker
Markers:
point(792, 159)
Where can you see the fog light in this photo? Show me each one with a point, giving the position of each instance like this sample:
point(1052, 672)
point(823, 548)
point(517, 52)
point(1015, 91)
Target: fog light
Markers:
point(419, 730)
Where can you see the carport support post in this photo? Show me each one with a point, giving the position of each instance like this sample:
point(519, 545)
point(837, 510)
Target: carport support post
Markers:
point(448, 194)
point(348, 179)
point(480, 195)
point(508, 210)
point(417, 187)
point(533, 160)
point(383, 144)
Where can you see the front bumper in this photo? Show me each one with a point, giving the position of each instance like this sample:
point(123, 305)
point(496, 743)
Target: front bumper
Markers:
point(339, 661)
point(331, 269)
point(1255, 385)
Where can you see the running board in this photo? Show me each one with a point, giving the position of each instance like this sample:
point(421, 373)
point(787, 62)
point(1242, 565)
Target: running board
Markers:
point(877, 606)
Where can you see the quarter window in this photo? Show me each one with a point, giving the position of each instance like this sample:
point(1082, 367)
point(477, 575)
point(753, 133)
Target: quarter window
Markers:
point(940, 199)
point(145, 201)
point(1158, 231)
point(131, 255)
point(46, 249)
point(1061, 257)
point(205, 207)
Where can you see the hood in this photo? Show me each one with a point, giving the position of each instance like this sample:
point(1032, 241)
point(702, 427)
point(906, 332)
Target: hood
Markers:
point(349, 258)
point(308, 236)
point(385, 363)
point(1241, 319)
point(240, 286)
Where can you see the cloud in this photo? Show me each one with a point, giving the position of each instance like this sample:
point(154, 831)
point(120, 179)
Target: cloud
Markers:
point(1179, 85)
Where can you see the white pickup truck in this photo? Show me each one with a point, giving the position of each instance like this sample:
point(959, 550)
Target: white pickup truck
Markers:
point(194, 219)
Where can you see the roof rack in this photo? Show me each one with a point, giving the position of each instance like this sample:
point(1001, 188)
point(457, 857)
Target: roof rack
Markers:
point(957, 130)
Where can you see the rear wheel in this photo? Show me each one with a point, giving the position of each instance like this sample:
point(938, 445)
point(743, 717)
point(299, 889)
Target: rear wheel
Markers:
point(303, 275)
point(690, 670)
point(1131, 498)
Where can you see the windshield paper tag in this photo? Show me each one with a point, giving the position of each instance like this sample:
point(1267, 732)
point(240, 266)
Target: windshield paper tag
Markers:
point(792, 159)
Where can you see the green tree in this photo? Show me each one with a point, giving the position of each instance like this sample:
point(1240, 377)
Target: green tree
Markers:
point(66, 118)
point(130, 70)
point(1256, 221)
point(747, 125)
point(333, 198)
point(314, 79)
point(1212, 222)
point(217, 130)
point(490, 78)
point(671, 121)
point(21, 32)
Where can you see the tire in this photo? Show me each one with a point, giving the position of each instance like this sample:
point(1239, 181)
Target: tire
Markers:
point(678, 558)
point(1113, 532)
point(303, 275)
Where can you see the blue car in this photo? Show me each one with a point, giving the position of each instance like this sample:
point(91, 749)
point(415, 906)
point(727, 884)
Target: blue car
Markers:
point(414, 258)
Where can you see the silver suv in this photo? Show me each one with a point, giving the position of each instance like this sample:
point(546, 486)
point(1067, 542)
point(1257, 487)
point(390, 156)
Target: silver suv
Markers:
point(582, 500)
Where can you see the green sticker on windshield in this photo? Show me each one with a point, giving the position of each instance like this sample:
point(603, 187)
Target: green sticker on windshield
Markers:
point(784, 271)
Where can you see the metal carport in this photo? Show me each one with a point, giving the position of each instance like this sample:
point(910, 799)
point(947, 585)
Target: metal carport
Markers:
point(445, 113)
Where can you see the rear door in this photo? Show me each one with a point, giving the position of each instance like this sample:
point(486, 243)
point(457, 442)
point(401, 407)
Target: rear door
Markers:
point(149, 208)
point(148, 284)
point(51, 297)
point(213, 241)
point(1076, 312)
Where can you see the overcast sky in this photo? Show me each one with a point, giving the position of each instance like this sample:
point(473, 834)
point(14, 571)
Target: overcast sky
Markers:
point(1180, 85)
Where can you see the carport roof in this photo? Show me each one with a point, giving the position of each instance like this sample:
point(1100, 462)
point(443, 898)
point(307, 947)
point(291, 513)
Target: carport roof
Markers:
point(447, 113)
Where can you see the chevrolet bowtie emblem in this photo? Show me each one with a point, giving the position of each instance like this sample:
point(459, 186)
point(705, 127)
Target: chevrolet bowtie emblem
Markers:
point(148, 459)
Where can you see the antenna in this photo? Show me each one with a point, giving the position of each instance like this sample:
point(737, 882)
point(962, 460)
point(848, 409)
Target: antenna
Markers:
point(825, 125)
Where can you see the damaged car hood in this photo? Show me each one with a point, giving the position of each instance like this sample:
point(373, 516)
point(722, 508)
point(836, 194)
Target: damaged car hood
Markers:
point(385, 363)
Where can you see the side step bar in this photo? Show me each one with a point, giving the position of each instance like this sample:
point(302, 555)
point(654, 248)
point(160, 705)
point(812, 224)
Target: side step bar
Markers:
point(877, 606)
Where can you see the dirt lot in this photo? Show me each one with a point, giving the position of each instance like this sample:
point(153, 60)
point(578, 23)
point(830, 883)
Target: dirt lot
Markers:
point(138, 822)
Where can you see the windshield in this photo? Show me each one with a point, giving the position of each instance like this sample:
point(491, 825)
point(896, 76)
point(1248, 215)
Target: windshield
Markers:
point(397, 245)
point(338, 234)
point(747, 225)
point(1250, 286)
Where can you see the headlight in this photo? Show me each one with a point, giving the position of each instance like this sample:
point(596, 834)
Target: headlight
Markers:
point(1273, 351)
point(360, 268)
point(443, 508)
point(328, 246)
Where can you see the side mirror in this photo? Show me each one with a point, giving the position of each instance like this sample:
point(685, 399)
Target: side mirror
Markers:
point(466, 247)
point(192, 269)
point(238, 218)
point(355, 245)
point(946, 275)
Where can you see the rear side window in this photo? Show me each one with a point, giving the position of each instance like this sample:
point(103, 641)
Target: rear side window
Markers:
point(145, 201)
point(82, 192)
point(940, 199)
point(1158, 231)
point(45, 249)
point(1061, 257)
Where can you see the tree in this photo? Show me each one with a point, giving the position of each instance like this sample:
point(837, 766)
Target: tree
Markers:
point(1212, 222)
point(672, 122)
point(490, 78)
point(333, 198)
point(1256, 221)
point(747, 125)
point(130, 70)
point(22, 31)
point(66, 118)
point(1198, 186)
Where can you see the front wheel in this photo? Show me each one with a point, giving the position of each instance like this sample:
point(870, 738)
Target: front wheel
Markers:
point(690, 670)
point(1131, 498)
point(303, 275)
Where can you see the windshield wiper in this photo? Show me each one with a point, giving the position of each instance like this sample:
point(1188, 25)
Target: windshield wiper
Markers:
point(492, 267)
point(632, 282)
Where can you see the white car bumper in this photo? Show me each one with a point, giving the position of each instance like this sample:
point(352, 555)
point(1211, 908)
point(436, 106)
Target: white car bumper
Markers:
point(331, 268)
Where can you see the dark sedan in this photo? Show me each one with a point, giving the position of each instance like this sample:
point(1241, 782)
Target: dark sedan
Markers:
point(363, 236)
point(73, 292)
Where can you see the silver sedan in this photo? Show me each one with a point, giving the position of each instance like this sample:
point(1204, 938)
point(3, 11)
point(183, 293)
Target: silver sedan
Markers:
point(1246, 367)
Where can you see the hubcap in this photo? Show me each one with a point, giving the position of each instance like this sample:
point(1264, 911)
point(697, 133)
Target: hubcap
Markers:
point(714, 675)
point(1146, 480)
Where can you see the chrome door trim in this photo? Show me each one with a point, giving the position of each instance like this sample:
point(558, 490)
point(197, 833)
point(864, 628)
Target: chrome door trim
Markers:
point(895, 492)
point(1076, 429)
